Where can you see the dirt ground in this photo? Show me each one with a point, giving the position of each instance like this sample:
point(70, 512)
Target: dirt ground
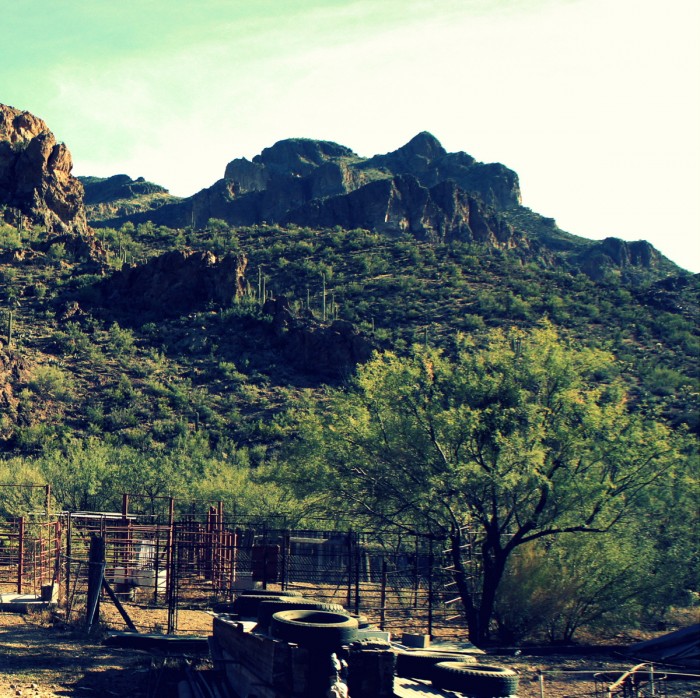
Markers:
point(45, 661)
point(42, 658)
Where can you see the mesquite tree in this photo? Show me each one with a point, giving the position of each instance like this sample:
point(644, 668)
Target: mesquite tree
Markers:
point(517, 439)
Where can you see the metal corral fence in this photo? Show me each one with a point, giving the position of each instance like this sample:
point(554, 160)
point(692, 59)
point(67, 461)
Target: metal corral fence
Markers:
point(640, 681)
point(29, 555)
point(645, 680)
point(397, 581)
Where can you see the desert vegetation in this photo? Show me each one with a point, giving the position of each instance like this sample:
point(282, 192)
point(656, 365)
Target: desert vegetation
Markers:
point(510, 398)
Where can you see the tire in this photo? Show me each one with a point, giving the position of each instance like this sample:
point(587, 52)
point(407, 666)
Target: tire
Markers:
point(419, 665)
point(268, 608)
point(249, 605)
point(271, 592)
point(314, 628)
point(482, 680)
point(362, 620)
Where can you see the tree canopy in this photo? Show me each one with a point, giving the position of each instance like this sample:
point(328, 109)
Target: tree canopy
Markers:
point(518, 439)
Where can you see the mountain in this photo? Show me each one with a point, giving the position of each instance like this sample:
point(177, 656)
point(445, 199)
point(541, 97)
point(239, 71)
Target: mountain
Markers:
point(419, 189)
point(213, 332)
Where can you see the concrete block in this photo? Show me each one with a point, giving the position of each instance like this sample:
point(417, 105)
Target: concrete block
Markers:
point(417, 641)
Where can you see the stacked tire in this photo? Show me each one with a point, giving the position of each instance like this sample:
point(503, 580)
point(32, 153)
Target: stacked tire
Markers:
point(478, 680)
point(268, 608)
point(314, 628)
point(246, 605)
point(322, 633)
point(457, 672)
point(415, 664)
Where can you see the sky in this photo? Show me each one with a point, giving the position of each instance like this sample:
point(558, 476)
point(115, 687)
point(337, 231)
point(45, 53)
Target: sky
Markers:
point(594, 103)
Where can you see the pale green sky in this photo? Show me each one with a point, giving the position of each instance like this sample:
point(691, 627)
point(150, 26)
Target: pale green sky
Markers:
point(595, 103)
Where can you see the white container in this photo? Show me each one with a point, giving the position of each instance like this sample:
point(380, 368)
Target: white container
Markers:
point(117, 576)
point(147, 579)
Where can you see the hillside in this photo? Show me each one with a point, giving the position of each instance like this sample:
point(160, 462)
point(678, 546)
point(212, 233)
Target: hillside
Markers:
point(89, 354)
point(146, 334)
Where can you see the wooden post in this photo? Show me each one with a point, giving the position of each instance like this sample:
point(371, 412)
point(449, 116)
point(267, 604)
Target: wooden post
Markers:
point(95, 575)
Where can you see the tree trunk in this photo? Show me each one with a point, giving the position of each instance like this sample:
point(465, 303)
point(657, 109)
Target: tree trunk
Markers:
point(478, 615)
point(494, 565)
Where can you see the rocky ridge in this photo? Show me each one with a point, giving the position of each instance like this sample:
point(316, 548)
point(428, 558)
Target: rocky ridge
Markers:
point(419, 188)
point(120, 195)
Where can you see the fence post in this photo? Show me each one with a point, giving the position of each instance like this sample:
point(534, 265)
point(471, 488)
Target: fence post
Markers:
point(95, 573)
point(349, 595)
point(286, 552)
point(357, 574)
point(69, 552)
point(382, 596)
point(416, 580)
point(220, 552)
point(172, 582)
point(431, 562)
point(20, 555)
point(170, 542)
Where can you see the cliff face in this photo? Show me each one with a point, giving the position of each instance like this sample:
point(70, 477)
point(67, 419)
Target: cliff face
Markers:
point(431, 164)
point(35, 176)
point(403, 205)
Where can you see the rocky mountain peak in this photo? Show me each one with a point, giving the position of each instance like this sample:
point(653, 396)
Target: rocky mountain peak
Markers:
point(420, 150)
point(300, 156)
point(35, 175)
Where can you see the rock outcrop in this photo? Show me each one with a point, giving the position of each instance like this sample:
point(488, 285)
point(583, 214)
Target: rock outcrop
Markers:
point(430, 163)
point(624, 257)
point(120, 195)
point(35, 176)
point(14, 370)
point(403, 205)
point(328, 350)
point(174, 283)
